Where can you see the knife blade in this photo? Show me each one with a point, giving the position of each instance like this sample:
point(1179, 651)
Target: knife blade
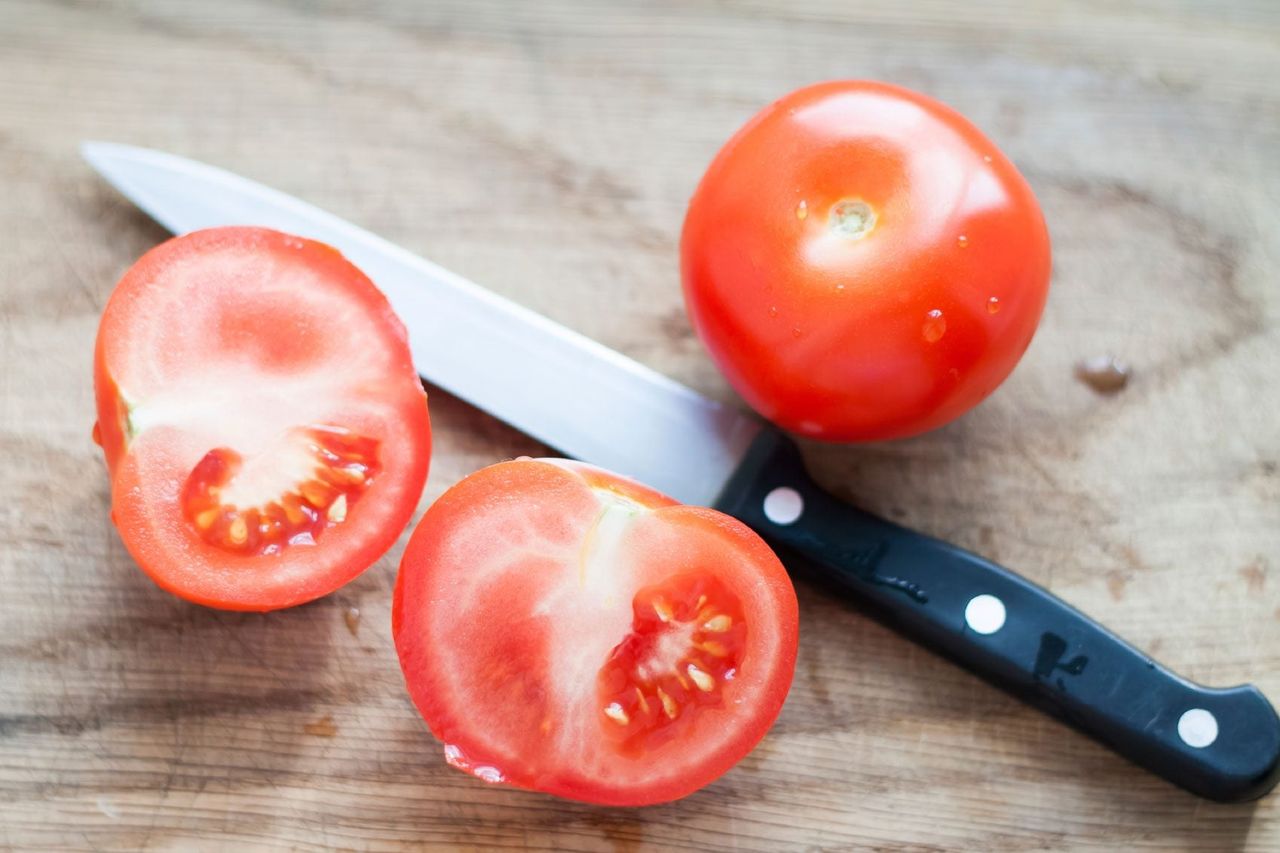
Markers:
point(594, 404)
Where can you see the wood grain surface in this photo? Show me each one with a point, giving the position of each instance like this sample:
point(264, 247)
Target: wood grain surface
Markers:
point(546, 150)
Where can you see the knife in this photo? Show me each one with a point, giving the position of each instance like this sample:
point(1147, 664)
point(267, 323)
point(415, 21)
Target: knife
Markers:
point(594, 404)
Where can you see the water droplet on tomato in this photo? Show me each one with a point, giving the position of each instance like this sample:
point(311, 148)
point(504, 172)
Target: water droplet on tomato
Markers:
point(839, 287)
point(935, 326)
point(802, 210)
point(773, 310)
point(993, 305)
point(96, 434)
point(795, 331)
point(962, 241)
point(986, 158)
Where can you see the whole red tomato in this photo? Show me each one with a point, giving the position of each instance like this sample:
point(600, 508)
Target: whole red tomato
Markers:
point(863, 263)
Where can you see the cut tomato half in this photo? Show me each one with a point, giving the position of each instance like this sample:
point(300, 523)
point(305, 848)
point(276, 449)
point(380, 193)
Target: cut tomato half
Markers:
point(567, 630)
point(265, 431)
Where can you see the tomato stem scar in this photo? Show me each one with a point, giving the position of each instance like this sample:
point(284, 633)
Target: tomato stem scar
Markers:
point(852, 219)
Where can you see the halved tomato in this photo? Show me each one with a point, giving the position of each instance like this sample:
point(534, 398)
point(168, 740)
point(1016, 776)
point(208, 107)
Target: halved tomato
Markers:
point(266, 433)
point(570, 631)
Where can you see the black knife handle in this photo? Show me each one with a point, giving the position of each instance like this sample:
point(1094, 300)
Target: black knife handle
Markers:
point(1223, 744)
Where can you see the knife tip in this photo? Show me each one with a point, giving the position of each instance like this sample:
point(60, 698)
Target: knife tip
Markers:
point(98, 153)
point(94, 151)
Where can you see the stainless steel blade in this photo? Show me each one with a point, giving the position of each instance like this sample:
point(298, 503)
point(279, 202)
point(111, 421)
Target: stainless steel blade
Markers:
point(554, 384)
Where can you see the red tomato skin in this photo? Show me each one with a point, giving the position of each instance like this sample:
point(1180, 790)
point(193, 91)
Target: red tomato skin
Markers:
point(454, 723)
point(834, 338)
point(169, 553)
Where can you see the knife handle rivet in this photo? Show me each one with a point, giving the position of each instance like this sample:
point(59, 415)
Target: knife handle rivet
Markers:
point(1198, 728)
point(984, 614)
point(783, 505)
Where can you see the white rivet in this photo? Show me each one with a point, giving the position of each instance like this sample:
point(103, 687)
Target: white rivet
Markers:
point(783, 505)
point(984, 614)
point(1198, 728)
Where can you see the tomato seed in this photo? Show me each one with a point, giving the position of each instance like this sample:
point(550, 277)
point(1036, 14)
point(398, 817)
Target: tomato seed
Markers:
point(663, 609)
point(669, 706)
point(205, 520)
point(703, 680)
point(718, 624)
point(711, 647)
point(315, 493)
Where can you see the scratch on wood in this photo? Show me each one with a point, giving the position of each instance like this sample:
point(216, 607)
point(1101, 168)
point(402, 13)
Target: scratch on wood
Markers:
point(188, 706)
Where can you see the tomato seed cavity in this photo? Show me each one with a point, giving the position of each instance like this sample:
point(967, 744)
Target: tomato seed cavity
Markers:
point(345, 464)
point(686, 638)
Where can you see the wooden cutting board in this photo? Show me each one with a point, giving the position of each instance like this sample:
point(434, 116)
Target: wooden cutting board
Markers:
point(546, 150)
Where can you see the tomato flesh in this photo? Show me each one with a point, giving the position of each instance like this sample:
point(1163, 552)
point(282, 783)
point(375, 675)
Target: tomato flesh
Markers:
point(266, 434)
point(862, 263)
point(567, 630)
